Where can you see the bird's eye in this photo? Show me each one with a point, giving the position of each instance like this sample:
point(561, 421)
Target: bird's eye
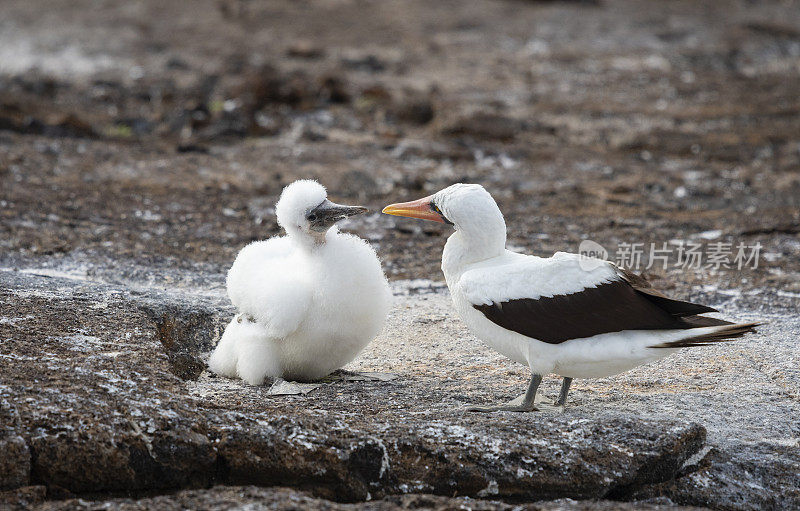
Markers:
point(311, 217)
point(438, 211)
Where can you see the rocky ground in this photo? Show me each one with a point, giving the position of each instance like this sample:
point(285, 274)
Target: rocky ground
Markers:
point(142, 145)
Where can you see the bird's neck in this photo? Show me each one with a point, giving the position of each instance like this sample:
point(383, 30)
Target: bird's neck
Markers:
point(464, 248)
point(310, 241)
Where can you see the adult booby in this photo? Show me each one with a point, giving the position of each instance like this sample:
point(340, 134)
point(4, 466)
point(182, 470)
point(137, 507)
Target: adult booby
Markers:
point(565, 314)
point(309, 301)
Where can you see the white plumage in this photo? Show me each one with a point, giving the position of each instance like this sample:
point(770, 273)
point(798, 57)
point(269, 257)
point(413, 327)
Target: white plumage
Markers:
point(560, 314)
point(511, 276)
point(309, 301)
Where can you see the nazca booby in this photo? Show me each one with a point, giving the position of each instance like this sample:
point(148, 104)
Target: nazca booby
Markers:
point(566, 314)
point(309, 301)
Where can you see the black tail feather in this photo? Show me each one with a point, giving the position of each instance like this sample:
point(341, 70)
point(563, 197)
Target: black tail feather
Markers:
point(725, 333)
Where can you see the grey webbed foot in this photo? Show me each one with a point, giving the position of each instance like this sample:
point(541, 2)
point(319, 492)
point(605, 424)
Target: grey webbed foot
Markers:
point(525, 406)
point(504, 408)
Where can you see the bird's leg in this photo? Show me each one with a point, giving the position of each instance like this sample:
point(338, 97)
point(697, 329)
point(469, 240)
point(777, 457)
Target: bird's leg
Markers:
point(562, 396)
point(525, 406)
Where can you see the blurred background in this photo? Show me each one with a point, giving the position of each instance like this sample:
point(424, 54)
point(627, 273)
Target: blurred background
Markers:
point(157, 135)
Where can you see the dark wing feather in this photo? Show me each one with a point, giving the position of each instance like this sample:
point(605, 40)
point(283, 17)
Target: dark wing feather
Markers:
point(674, 307)
point(609, 307)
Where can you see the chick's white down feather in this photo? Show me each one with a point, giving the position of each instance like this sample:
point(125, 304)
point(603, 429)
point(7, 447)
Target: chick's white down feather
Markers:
point(307, 306)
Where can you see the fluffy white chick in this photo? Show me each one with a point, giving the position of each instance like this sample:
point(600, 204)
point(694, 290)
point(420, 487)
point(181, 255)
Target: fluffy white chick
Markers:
point(309, 301)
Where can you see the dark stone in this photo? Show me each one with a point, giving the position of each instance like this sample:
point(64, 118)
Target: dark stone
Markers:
point(15, 462)
point(286, 453)
point(415, 110)
point(370, 460)
point(177, 63)
point(484, 125)
point(723, 481)
point(369, 63)
point(186, 366)
point(183, 331)
point(19, 119)
point(22, 498)
point(92, 461)
point(333, 88)
point(191, 148)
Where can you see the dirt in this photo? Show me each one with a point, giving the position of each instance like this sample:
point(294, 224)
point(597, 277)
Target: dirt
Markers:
point(150, 130)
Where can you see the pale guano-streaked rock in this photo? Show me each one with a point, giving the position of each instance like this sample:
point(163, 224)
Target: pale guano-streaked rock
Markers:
point(104, 403)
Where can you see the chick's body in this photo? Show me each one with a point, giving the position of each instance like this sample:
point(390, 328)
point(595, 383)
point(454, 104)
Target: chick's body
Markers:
point(305, 308)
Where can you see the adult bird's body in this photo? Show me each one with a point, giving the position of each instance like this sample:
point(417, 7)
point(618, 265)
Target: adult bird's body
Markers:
point(566, 314)
point(309, 301)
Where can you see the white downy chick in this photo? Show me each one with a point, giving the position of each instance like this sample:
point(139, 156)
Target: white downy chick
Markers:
point(308, 301)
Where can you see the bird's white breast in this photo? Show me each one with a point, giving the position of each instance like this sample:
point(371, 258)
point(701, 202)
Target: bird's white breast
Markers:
point(508, 343)
point(350, 301)
point(317, 307)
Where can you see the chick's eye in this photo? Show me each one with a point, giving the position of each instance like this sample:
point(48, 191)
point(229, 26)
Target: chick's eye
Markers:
point(311, 217)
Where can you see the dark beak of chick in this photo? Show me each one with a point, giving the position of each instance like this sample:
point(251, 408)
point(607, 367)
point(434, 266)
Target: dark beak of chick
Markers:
point(322, 217)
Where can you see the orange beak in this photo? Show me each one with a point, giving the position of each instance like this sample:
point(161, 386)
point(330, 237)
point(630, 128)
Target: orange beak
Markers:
point(420, 208)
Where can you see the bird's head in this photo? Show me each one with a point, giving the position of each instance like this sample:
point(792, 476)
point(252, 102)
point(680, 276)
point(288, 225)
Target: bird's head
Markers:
point(467, 207)
point(304, 209)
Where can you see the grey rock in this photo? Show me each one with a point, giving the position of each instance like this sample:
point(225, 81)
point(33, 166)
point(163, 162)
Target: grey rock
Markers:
point(24, 497)
point(15, 462)
point(103, 407)
point(286, 499)
point(721, 481)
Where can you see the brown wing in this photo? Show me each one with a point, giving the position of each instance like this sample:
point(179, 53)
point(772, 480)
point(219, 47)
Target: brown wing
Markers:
point(609, 307)
point(674, 307)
